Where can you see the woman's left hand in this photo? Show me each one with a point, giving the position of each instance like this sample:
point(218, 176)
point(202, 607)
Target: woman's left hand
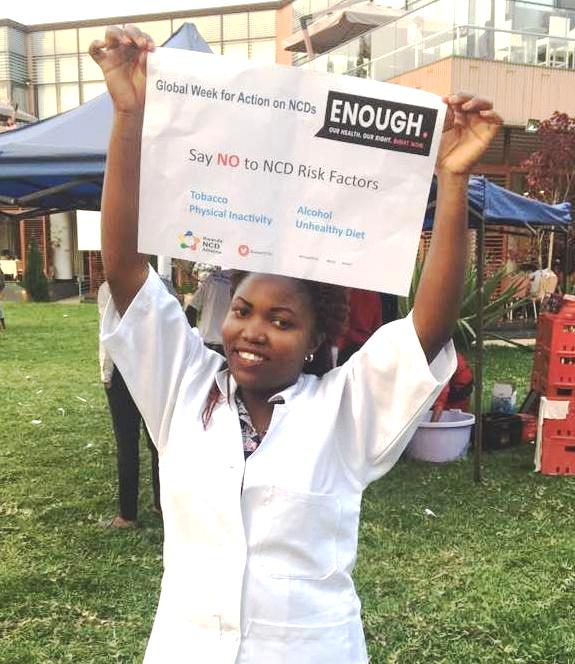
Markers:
point(470, 126)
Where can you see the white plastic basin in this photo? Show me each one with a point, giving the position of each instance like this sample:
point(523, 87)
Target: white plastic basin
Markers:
point(446, 440)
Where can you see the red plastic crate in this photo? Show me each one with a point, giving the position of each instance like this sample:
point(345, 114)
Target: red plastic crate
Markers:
point(528, 427)
point(564, 391)
point(557, 331)
point(555, 334)
point(553, 368)
point(558, 457)
point(558, 446)
point(560, 429)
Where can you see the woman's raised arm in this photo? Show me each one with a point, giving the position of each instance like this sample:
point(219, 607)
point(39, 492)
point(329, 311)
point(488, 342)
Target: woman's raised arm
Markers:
point(471, 125)
point(122, 58)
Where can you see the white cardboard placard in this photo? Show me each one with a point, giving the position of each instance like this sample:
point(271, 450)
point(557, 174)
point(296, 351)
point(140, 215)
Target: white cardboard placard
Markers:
point(283, 170)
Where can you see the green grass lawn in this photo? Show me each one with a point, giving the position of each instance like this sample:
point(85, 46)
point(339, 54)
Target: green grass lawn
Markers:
point(490, 578)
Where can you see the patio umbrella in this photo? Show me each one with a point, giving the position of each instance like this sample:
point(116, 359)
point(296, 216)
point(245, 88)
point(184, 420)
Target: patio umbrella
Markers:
point(341, 25)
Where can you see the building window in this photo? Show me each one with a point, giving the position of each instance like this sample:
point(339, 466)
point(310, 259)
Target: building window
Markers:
point(69, 96)
point(159, 31)
point(262, 24)
point(17, 41)
point(263, 51)
point(45, 70)
point(216, 48)
point(43, 43)
point(89, 70)
point(237, 50)
point(20, 97)
point(87, 35)
point(91, 90)
point(4, 68)
point(235, 26)
point(66, 41)
point(67, 68)
point(47, 101)
point(209, 27)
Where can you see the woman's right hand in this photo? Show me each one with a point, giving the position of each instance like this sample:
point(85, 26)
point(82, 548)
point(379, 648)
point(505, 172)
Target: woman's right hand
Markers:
point(122, 58)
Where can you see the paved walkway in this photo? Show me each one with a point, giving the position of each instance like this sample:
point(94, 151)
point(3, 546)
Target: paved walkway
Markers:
point(13, 293)
point(500, 342)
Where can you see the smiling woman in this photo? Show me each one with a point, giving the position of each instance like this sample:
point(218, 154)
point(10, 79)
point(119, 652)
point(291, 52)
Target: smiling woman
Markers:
point(262, 463)
point(276, 328)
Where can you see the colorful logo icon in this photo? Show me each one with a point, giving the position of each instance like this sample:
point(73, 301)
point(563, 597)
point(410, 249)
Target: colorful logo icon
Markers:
point(189, 241)
point(243, 250)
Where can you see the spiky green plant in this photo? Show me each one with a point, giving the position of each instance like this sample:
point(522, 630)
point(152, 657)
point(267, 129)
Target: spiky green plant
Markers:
point(494, 306)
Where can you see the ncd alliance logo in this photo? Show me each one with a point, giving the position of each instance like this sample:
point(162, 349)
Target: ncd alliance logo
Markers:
point(209, 245)
point(378, 123)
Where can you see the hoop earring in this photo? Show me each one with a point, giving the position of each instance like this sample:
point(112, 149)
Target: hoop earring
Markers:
point(309, 357)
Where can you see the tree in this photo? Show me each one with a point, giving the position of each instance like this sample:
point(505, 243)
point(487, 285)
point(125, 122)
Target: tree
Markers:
point(34, 280)
point(551, 169)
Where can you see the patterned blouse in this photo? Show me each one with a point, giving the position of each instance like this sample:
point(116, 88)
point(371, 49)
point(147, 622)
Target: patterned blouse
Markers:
point(250, 437)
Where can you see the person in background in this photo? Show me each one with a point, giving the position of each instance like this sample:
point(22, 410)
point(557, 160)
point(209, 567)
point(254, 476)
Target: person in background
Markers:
point(561, 276)
point(456, 394)
point(365, 317)
point(126, 420)
point(2, 287)
point(211, 301)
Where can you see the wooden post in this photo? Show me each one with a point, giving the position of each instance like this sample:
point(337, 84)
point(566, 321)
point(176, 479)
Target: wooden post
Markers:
point(23, 247)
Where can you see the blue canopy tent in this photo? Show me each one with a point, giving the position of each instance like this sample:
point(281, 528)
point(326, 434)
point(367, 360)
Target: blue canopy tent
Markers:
point(500, 207)
point(489, 204)
point(58, 164)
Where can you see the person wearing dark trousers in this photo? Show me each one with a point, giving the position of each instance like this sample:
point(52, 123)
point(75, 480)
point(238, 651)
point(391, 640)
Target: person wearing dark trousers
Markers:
point(2, 287)
point(126, 421)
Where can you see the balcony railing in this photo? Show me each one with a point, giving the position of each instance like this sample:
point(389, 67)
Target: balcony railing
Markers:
point(432, 33)
point(465, 41)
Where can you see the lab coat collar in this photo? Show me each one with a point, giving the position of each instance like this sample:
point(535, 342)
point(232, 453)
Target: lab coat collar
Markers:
point(225, 379)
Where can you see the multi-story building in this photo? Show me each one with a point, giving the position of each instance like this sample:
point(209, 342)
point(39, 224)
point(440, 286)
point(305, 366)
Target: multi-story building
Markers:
point(45, 70)
point(520, 54)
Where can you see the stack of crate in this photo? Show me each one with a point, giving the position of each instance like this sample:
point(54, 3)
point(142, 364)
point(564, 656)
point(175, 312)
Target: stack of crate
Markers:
point(554, 377)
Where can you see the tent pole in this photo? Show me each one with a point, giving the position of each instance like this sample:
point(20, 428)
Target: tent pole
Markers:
point(566, 264)
point(479, 263)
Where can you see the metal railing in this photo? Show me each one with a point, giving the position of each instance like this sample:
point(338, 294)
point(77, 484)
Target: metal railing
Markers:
point(513, 46)
point(514, 32)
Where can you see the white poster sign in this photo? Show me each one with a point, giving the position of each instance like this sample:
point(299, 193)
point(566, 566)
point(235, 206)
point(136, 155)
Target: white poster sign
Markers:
point(88, 227)
point(278, 169)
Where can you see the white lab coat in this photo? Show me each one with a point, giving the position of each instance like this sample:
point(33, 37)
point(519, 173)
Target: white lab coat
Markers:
point(263, 575)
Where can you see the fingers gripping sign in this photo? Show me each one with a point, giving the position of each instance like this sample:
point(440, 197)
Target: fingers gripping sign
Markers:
point(122, 58)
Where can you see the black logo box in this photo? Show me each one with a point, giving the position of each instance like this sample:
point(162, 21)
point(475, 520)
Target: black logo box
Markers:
point(416, 117)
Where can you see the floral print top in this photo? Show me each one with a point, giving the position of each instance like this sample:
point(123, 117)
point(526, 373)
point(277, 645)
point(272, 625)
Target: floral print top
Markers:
point(250, 437)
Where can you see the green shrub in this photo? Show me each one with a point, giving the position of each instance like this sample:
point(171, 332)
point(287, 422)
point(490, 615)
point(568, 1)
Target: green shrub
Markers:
point(34, 280)
point(494, 306)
